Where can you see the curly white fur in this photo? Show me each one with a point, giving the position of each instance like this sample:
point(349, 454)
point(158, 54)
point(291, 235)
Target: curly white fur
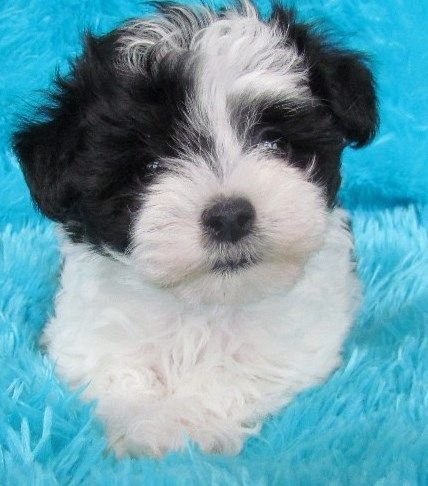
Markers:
point(164, 370)
point(172, 348)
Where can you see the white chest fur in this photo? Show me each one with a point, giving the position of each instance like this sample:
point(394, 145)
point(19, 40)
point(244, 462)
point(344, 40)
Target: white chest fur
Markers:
point(163, 371)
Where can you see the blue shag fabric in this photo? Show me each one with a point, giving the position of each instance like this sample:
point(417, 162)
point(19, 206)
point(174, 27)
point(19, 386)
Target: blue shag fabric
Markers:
point(369, 423)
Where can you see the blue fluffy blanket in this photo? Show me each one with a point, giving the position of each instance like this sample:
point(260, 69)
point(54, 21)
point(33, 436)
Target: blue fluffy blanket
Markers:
point(369, 423)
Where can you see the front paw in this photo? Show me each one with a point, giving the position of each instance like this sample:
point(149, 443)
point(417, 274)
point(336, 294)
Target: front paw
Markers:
point(156, 435)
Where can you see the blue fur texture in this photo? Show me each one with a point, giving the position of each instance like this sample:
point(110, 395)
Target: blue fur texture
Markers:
point(369, 423)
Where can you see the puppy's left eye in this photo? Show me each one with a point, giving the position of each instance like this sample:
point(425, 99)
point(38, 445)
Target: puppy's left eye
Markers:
point(270, 145)
point(269, 139)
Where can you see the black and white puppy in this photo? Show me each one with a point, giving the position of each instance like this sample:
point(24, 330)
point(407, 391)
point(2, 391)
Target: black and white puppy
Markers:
point(192, 160)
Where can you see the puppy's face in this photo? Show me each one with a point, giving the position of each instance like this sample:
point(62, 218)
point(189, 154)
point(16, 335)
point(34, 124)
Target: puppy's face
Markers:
point(204, 146)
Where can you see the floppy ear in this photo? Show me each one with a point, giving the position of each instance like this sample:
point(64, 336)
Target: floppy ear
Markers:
point(340, 78)
point(49, 145)
point(46, 152)
point(343, 81)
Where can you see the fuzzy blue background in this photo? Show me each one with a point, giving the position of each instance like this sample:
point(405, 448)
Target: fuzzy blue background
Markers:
point(369, 423)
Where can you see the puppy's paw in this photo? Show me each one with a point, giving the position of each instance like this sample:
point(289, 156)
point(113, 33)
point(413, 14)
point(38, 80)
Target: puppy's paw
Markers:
point(157, 432)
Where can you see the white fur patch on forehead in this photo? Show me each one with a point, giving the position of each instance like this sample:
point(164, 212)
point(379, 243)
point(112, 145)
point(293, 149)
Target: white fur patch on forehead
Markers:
point(243, 56)
point(242, 62)
point(245, 53)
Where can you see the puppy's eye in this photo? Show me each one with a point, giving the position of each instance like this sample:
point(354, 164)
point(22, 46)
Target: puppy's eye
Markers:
point(153, 166)
point(269, 139)
point(268, 145)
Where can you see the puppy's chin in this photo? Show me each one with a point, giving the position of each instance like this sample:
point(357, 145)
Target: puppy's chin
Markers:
point(231, 283)
point(243, 285)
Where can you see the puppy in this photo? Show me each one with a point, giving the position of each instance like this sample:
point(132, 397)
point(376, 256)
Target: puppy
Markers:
point(192, 161)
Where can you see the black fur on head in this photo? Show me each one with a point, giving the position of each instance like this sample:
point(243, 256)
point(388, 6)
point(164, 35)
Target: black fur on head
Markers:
point(90, 156)
point(93, 151)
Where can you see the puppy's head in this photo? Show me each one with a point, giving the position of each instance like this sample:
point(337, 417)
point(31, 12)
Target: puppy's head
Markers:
point(203, 145)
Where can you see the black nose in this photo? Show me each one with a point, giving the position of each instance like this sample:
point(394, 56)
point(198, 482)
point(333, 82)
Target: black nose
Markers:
point(229, 219)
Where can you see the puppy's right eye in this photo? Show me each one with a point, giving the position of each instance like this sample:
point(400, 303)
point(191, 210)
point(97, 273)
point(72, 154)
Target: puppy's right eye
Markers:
point(153, 166)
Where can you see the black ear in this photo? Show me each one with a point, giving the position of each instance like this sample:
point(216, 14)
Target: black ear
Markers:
point(338, 77)
point(49, 143)
point(343, 81)
point(46, 150)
